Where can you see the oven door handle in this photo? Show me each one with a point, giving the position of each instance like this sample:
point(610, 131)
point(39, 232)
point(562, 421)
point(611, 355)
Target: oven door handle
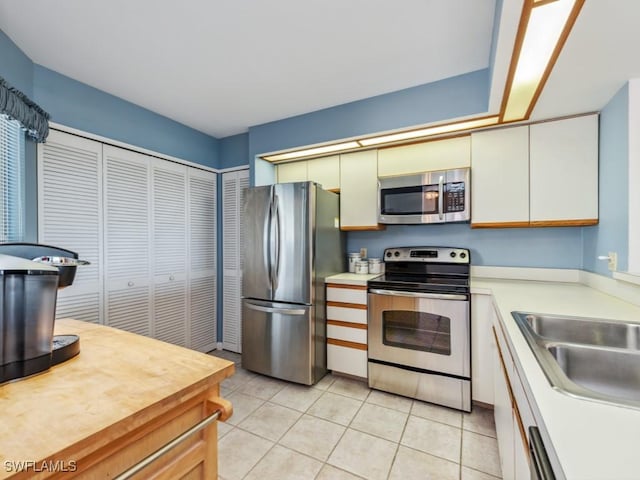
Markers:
point(434, 296)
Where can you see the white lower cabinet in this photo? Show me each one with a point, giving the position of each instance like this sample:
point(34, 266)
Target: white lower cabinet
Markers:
point(503, 416)
point(512, 413)
point(347, 329)
point(482, 348)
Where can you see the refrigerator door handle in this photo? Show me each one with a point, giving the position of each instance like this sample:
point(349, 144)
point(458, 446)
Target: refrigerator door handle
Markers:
point(276, 266)
point(286, 311)
point(266, 243)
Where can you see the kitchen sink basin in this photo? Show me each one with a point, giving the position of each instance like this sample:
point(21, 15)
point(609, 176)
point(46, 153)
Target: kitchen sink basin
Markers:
point(588, 358)
point(587, 331)
point(614, 373)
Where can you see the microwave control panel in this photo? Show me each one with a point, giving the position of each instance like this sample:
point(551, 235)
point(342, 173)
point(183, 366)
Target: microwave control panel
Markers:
point(454, 197)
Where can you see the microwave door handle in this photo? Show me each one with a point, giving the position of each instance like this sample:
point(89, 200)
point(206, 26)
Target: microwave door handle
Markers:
point(441, 197)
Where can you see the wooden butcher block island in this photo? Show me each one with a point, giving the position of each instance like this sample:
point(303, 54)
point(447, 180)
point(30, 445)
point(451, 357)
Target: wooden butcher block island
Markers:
point(101, 413)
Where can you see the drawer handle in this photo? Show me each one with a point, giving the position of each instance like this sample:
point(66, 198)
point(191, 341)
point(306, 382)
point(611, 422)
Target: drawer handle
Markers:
point(222, 410)
point(130, 284)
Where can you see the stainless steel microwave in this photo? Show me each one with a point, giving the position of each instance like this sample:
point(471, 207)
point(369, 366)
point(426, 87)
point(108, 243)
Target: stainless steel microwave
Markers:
point(429, 197)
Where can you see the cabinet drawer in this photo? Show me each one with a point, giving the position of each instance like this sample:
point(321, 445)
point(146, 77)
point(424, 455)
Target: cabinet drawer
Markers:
point(357, 335)
point(344, 314)
point(347, 360)
point(347, 295)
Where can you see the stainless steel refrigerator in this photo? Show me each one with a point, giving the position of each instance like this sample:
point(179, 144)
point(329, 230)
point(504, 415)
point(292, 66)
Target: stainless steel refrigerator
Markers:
point(292, 242)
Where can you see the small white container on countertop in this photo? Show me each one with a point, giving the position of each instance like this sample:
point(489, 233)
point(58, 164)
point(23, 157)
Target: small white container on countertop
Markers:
point(362, 267)
point(376, 265)
point(353, 258)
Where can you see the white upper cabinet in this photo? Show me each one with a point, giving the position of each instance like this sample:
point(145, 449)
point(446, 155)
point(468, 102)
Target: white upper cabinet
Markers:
point(426, 156)
point(292, 172)
point(564, 171)
point(359, 190)
point(325, 171)
point(500, 177)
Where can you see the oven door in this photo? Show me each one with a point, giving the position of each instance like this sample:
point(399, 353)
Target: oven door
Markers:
point(420, 330)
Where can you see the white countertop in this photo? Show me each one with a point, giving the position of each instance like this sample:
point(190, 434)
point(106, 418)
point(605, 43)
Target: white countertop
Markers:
point(591, 440)
point(351, 278)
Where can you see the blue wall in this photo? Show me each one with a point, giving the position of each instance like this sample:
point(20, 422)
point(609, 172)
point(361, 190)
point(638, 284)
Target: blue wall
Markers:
point(233, 151)
point(77, 105)
point(15, 67)
point(612, 232)
point(514, 247)
point(80, 106)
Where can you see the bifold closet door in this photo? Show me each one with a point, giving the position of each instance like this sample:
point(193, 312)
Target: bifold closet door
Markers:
point(202, 297)
point(127, 213)
point(234, 185)
point(169, 261)
point(70, 216)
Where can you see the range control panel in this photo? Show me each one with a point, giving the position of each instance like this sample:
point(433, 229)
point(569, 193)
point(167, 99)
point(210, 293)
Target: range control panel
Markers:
point(427, 254)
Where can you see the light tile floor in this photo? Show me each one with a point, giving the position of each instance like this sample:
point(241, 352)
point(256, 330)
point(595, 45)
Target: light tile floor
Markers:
point(341, 429)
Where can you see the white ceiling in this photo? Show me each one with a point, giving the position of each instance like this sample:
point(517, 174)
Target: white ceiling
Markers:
point(600, 55)
point(222, 66)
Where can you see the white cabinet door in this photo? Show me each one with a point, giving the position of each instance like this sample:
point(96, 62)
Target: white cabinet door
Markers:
point(503, 416)
point(202, 294)
point(234, 185)
point(500, 177)
point(426, 156)
point(359, 191)
point(169, 261)
point(70, 216)
point(521, 466)
point(292, 172)
point(482, 348)
point(128, 240)
point(564, 170)
point(325, 171)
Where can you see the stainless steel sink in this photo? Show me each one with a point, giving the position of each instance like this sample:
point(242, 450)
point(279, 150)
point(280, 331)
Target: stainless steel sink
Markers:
point(587, 331)
point(586, 357)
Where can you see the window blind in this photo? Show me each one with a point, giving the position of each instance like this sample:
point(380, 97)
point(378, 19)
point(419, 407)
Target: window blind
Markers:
point(11, 180)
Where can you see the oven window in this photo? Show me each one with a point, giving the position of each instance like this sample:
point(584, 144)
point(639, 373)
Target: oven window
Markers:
point(417, 331)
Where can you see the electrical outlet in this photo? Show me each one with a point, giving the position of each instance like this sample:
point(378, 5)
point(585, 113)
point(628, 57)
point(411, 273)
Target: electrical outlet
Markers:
point(363, 253)
point(613, 261)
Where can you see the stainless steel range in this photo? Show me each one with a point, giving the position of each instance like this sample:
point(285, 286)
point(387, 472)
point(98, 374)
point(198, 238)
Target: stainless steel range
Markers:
point(419, 325)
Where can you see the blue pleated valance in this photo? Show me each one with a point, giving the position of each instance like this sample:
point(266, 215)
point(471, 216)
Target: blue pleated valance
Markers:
point(16, 105)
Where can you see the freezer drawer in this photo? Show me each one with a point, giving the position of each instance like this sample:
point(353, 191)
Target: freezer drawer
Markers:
point(277, 340)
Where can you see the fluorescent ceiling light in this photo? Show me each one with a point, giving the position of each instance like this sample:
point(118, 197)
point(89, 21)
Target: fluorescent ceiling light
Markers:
point(309, 152)
point(542, 38)
point(425, 132)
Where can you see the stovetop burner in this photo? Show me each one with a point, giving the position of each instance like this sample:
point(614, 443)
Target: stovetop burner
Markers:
point(425, 270)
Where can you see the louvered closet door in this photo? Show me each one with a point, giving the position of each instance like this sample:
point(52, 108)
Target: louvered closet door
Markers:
point(127, 240)
point(169, 205)
point(70, 216)
point(233, 186)
point(202, 253)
